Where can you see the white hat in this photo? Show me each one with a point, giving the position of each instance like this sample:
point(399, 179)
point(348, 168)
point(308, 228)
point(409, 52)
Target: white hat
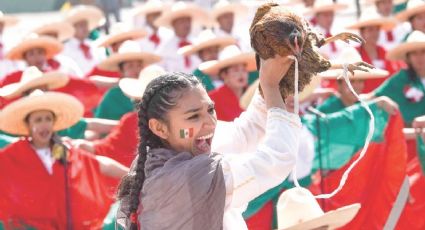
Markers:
point(135, 88)
point(371, 17)
point(8, 20)
point(183, 9)
point(64, 30)
point(206, 38)
point(224, 6)
point(415, 41)
point(91, 14)
point(122, 32)
point(51, 45)
point(413, 7)
point(324, 6)
point(151, 6)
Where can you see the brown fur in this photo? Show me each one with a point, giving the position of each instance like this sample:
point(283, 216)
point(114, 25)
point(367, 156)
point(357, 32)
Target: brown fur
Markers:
point(273, 31)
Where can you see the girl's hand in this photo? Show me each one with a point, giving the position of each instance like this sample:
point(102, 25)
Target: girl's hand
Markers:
point(273, 70)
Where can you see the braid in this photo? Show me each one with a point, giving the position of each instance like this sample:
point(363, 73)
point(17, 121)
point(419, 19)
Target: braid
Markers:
point(160, 96)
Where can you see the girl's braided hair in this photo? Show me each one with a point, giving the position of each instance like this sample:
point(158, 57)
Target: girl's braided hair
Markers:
point(160, 96)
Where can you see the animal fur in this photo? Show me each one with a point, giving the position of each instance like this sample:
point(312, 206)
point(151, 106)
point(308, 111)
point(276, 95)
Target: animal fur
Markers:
point(277, 30)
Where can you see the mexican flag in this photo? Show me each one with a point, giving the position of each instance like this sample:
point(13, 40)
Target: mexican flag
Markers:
point(186, 133)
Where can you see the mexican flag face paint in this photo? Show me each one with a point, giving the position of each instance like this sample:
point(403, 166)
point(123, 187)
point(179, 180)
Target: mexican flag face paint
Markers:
point(186, 133)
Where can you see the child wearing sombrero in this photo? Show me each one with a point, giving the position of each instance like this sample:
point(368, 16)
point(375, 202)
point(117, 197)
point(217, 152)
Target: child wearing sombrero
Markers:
point(47, 183)
point(415, 15)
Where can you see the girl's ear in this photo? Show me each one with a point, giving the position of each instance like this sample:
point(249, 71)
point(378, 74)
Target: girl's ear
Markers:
point(159, 128)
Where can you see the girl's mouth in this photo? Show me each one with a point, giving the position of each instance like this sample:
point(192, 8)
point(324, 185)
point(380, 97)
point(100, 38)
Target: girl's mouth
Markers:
point(203, 143)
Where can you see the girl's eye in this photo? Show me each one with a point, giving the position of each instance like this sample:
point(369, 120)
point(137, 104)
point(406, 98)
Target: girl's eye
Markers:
point(195, 116)
point(211, 110)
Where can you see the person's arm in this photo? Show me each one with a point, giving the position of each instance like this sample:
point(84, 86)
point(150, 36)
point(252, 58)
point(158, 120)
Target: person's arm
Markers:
point(100, 125)
point(111, 168)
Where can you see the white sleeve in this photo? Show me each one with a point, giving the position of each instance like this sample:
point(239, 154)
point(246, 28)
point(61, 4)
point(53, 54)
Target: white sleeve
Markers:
point(245, 132)
point(249, 175)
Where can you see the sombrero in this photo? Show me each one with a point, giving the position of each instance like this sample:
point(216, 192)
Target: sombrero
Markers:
point(298, 209)
point(230, 55)
point(350, 55)
point(91, 14)
point(51, 45)
point(8, 20)
point(67, 109)
point(415, 41)
point(121, 32)
point(151, 6)
point(64, 30)
point(413, 7)
point(324, 6)
point(372, 18)
point(32, 78)
point(205, 39)
point(183, 9)
point(135, 88)
point(128, 51)
point(224, 6)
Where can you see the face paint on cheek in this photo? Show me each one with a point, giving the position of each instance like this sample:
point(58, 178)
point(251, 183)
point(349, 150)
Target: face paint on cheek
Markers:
point(186, 133)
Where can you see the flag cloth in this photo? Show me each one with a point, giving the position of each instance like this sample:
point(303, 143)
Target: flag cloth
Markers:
point(186, 133)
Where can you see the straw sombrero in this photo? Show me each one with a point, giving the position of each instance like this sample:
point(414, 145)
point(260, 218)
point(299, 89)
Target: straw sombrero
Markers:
point(121, 32)
point(183, 9)
point(206, 39)
point(8, 20)
point(135, 88)
point(64, 30)
point(350, 55)
point(151, 6)
point(67, 109)
point(415, 41)
point(230, 55)
point(91, 14)
point(413, 7)
point(324, 6)
point(32, 78)
point(51, 45)
point(372, 18)
point(298, 209)
point(128, 51)
point(224, 6)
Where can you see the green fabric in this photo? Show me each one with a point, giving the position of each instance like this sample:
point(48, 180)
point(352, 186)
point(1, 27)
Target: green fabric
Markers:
point(394, 89)
point(110, 219)
point(114, 105)
point(5, 140)
point(343, 133)
point(421, 152)
point(399, 7)
point(252, 77)
point(205, 79)
point(76, 131)
point(331, 105)
point(94, 34)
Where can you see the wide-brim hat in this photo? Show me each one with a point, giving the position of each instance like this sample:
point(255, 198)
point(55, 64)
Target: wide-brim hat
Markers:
point(324, 6)
point(64, 30)
point(129, 51)
point(51, 45)
point(67, 109)
point(372, 18)
point(8, 20)
point(120, 32)
point(415, 41)
point(32, 78)
point(206, 39)
point(413, 7)
point(394, 1)
point(135, 88)
point(183, 9)
point(91, 14)
point(224, 6)
point(230, 55)
point(151, 6)
point(298, 209)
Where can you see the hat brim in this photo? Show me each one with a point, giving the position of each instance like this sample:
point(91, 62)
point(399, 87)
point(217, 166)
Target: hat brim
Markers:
point(249, 94)
point(64, 30)
point(358, 75)
point(148, 9)
point(67, 109)
point(52, 80)
point(94, 17)
point(333, 7)
point(407, 13)
point(239, 10)
point(384, 24)
point(332, 219)
point(9, 20)
point(221, 42)
point(199, 17)
point(309, 89)
point(123, 36)
point(213, 67)
point(112, 62)
point(399, 52)
point(50, 45)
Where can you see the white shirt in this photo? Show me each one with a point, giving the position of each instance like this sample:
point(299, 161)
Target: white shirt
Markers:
point(269, 142)
point(68, 66)
point(147, 45)
point(171, 61)
point(242, 36)
point(45, 155)
point(399, 33)
point(327, 48)
point(72, 50)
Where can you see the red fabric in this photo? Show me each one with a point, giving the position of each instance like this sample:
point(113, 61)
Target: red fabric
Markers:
point(313, 21)
point(374, 182)
point(53, 64)
point(1, 51)
point(86, 50)
point(411, 150)
point(155, 39)
point(104, 73)
point(121, 143)
point(333, 45)
point(226, 103)
point(390, 36)
point(263, 219)
point(415, 206)
point(187, 61)
point(11, 78)
point(31, 196)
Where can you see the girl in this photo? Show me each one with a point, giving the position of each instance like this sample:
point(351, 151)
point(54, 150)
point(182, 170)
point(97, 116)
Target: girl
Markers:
point(179, 182)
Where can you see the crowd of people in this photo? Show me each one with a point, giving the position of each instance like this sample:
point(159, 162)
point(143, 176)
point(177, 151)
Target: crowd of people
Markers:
point(108, 129)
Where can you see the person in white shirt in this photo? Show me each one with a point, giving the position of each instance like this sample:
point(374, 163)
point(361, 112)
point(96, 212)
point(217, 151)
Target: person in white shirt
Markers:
point(182, 18)
point(6, 66)
point(80, 48)
point(414, 14)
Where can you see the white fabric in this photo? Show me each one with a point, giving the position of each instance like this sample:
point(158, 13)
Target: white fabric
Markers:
point(148, 46)
point(68, 66)
point(305, 154)
point(171, 61)
point(326, 49)
point(45, 155)
point(73, 51)
point(242, 36)
point(399, 33)
point(255, 160)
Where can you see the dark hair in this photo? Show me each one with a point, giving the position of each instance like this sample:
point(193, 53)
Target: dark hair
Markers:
point(160, 96)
